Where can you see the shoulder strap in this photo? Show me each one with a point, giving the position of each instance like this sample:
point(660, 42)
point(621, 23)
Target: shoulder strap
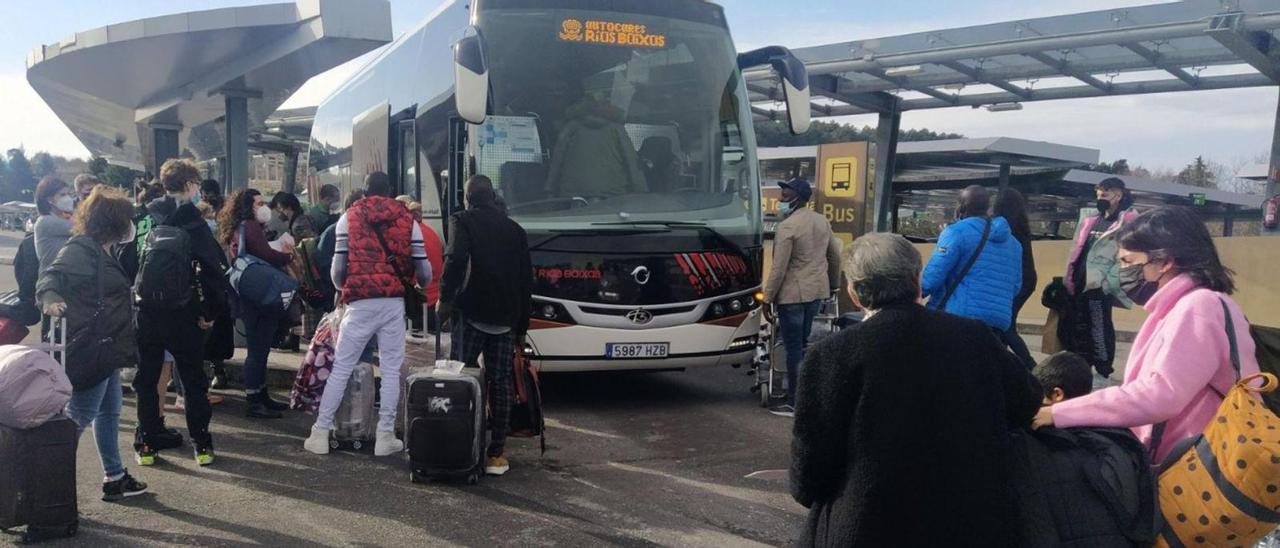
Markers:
point(1157, 431)
point(955, 283)
point(378, 229)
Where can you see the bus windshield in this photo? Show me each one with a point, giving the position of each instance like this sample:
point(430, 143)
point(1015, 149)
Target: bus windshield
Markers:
point(605, 117)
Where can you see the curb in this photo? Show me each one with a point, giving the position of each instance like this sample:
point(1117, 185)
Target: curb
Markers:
point(1038, 329)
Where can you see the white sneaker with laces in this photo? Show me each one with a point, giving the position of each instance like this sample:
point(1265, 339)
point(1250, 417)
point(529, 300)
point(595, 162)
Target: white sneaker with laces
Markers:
point(387, 444)
point(317, 442)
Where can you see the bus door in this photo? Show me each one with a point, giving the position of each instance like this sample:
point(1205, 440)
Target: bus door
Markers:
point(404, 160)
point(452, 187)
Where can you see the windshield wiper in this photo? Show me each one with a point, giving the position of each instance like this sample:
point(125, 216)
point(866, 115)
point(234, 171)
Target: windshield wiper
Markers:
point(694, 225)
point(556, 234)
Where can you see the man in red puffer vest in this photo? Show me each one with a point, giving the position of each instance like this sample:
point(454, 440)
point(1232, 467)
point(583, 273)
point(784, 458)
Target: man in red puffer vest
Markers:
point(378, 257)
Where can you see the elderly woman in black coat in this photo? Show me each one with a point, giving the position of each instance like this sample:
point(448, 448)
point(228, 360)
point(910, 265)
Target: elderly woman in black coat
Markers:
point(902, 421)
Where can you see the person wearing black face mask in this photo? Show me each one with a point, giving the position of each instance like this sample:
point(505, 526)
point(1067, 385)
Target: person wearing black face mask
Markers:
point(1181, 362)
point(1093, 279)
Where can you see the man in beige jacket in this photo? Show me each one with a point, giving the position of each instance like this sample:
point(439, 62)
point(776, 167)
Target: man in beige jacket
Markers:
point(806, 258)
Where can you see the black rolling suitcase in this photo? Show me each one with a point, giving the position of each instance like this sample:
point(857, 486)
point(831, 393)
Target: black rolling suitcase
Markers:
point(38, 479)
point(444, 424)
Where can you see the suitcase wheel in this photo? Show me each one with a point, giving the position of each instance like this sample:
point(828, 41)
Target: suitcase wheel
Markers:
point(414, 477)
point(357, 445)
point(473, 479)
point(333, 444)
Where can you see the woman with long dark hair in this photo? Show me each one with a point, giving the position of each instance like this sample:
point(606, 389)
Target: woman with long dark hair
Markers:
point(1010, 204)
point(241, 224)
point(1180, 365)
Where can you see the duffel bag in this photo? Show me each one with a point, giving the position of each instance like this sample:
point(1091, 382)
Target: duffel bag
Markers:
point(258, 282)
point(33, 387)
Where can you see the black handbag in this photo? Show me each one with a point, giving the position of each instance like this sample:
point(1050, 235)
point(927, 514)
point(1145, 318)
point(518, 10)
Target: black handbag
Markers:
point(84, 347)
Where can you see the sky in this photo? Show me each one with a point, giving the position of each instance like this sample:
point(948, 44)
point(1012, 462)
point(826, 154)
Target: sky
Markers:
point(1156, 131)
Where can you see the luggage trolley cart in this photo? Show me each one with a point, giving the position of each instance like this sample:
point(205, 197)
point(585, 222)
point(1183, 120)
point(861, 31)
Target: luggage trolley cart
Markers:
point(770, 363)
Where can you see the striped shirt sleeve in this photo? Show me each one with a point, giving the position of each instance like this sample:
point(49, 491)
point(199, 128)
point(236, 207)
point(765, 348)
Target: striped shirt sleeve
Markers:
point(338, 271)
point(421, 266)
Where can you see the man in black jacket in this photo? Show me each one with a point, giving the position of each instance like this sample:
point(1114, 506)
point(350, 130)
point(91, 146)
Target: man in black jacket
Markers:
point(902, 421)
point(180, 330)
point(493, 308)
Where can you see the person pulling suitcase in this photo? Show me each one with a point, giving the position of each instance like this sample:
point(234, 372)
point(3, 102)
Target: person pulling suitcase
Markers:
point(86, 285)
point(377, 245)
point(487, 281)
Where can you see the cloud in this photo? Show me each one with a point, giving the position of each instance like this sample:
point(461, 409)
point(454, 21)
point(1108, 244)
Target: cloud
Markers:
point(26, 120)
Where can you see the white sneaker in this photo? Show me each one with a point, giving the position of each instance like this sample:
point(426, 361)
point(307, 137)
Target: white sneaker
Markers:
point(387, 444)
point(317, 442)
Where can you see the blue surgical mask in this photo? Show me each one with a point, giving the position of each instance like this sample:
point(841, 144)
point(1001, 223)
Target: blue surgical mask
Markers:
point(787, 207)
point(213, 225)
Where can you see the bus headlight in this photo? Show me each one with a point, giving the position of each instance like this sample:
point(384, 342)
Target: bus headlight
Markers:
point(551, 312)
point(730, 307)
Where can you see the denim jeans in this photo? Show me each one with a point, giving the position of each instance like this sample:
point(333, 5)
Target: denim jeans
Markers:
point(100, 406)
point(795, 321)
point(259, 333)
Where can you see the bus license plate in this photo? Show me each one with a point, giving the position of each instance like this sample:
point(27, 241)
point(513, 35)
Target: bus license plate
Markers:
point(636, 350)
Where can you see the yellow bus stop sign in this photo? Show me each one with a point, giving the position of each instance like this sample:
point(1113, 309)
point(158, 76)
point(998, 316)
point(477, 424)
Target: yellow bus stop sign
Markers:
point(840, 178)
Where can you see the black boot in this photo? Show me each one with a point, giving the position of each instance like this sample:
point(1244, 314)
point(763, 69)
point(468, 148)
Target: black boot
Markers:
point(219, 375)
point(258, 408)
point(272, 404)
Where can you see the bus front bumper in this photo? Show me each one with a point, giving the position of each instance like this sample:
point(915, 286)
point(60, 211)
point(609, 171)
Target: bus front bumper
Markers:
point(582, 348)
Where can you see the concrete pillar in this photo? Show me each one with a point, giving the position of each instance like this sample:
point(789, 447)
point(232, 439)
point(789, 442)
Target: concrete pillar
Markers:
point(164, 145)
point(1229, 221)
point(886, 155)
point(237, 143)
point(1273, 172)
point(1005, 173)
point(291, 173)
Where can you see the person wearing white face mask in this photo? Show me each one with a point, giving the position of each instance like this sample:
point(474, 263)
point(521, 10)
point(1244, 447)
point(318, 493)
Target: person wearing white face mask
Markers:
point(180, 292)
point(55, 200)
point(242, 223)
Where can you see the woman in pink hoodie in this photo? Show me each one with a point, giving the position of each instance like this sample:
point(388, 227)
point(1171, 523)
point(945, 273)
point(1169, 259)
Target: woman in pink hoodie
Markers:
point(1180, 366)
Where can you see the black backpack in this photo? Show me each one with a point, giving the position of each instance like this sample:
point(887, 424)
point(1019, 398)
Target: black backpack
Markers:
point(164, 270)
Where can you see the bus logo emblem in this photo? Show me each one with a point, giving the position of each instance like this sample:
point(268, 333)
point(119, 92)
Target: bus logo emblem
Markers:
point(640, 316)
point(571, 30)
point(641, 274)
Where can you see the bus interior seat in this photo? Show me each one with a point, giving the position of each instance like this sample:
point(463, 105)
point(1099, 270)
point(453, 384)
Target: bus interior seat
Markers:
point(523, 181)
point(656, 159)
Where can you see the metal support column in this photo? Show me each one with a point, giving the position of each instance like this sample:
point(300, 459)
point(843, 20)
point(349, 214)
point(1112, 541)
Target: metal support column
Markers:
point(1004, 176)
point(237, 143)
point(886, 155)
point(1273, 172)
point(1229, 221)
point(1055, 227)
point(290, 172)
point(164, 145)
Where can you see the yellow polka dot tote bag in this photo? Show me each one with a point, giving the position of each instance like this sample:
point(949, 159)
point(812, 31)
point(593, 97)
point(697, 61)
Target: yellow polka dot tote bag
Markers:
point(1224, 488)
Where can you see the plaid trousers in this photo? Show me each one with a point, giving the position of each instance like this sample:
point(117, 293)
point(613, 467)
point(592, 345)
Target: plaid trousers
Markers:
point(499, 366)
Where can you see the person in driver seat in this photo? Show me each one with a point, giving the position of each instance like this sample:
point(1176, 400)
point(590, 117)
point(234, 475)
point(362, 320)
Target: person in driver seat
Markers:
point(596, 144)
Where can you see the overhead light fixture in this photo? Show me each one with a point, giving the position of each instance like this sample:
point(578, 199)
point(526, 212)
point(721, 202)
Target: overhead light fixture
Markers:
point(1003, 107)
point(903, 71)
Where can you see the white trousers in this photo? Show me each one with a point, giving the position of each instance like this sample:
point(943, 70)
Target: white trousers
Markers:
point(363, 320)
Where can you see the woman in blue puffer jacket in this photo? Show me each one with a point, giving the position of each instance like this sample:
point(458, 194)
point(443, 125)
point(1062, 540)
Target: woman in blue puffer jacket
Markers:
point(987, 291)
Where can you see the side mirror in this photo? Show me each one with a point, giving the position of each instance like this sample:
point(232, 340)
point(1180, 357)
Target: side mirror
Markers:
point(471, 79)
point(795, 81)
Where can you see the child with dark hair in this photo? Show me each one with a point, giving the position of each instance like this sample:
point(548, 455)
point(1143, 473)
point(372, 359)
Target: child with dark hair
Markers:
point(1063, 376)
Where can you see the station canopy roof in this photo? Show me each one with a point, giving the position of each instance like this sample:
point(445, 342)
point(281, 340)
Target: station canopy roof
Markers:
point(1054, 178)
point(1177, 46)
point(110, 84)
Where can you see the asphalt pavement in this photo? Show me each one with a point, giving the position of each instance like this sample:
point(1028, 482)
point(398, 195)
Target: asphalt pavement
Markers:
point(633, 459)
